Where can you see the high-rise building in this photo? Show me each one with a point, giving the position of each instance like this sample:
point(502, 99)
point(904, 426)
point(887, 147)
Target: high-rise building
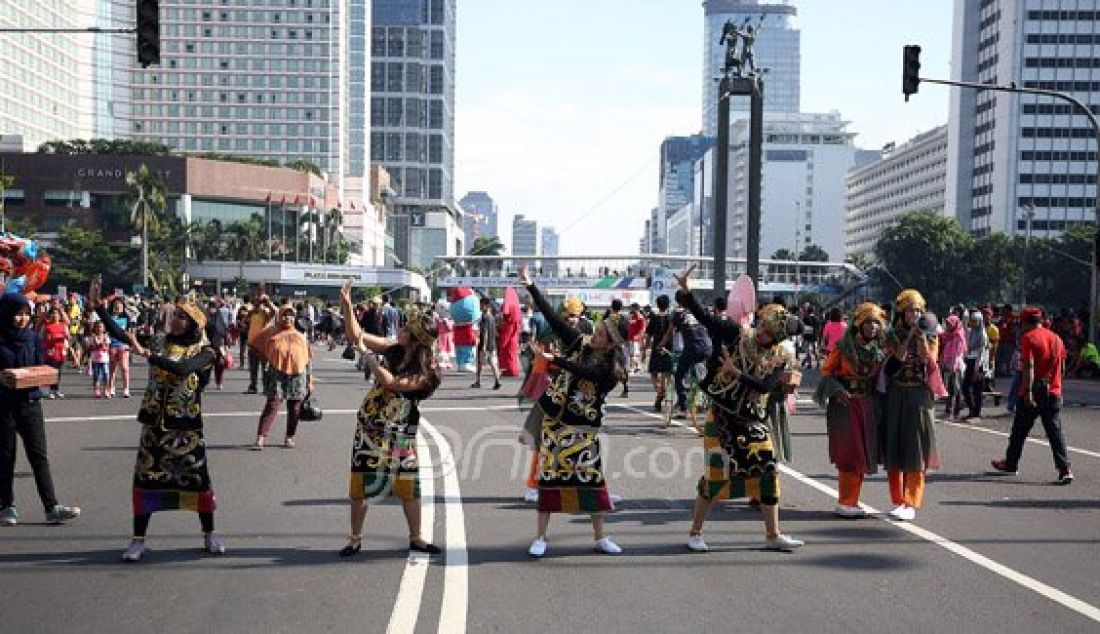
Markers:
point(479, 213)
point(1009, 154)
point(412, 114)
point(550, 246)
point(805, 163)
point(65, 85)
point(678, 176)
point(525, 236)
point(276, 80)
point(777, 49)
point(909, 177)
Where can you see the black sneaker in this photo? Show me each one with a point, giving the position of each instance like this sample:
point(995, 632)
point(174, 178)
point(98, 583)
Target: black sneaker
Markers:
point(251, 390)
point(660, 400)
point(1065, 477)
point(496, 386)
point(475, 385)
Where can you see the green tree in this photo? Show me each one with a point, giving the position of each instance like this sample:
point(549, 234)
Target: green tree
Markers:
point(924, 250)
point(783, 254)
point(813, 253)
point(1059, 272)
point(248, 241)
point(147, 214)
point(79, 254)
point(303, 165)
point(859, 260)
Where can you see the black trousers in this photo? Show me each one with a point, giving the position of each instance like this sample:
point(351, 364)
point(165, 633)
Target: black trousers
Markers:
point(255, 366)
point(24, 418)
point(973, 387)
point(1048, 409)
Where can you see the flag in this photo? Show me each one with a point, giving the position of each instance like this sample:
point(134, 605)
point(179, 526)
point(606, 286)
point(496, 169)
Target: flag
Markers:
point(283, 201)
point(267, 199)
point(297, 198)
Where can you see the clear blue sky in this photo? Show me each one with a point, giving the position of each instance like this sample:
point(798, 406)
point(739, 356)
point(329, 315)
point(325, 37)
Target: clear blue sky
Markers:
point(562, 105)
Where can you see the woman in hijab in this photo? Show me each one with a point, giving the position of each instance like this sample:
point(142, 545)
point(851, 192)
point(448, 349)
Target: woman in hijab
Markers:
point(383, 457)
point(909, 443)
point(846, 390)
point(977, 361)
point(171, 473)
point(571, 478)
point(952, 350)
point(21, 413)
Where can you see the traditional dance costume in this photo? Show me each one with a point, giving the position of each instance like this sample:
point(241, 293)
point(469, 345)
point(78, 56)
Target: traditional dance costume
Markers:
point(853, 366)
point(172, 473)
point(571, 476)
point(740, 457)
point(909, 434)
point(383, 455)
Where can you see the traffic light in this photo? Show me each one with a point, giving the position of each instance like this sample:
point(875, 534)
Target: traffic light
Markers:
point(910, 70)
point(148, 32)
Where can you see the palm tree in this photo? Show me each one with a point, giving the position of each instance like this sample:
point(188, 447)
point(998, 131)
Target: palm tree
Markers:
point(248, 240)
point(145, 215)
point(333, 220)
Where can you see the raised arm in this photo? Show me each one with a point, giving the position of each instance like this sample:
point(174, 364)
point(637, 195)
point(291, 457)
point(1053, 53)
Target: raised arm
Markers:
point(599, 374)
point(113, 328)
point(719, 329)
point(354, 333)
point(568, 334)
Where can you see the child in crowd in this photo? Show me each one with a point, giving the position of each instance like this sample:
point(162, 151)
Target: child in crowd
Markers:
point(99, 353)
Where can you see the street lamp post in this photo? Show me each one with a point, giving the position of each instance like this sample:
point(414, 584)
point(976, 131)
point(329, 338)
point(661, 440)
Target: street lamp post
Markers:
point(797, 244)
point(1029, 215)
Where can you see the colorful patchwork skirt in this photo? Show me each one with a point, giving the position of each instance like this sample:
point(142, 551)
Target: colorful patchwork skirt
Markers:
point(171, 473)
point(739, 460)
point(384, 462)
point(571, 470)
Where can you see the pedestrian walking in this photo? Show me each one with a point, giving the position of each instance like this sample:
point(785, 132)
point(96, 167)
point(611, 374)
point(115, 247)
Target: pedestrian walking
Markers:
point(55, 339)
point(287, 376)
point(571, 478)
point(846, 390)
point(909, 443)
point(21, 414)
point(744, 368)
point(1042, 362)
point(976, 359)
point(99, 355)
point(383, 456)
point(259, 319)
point(952, 363)
point(172, 472)
point(120, 347)
point(487, 343)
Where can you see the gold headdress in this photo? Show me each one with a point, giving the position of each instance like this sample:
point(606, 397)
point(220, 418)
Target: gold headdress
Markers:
point(773, 320)
point(869, 311)
point(419, 329)
point(195, 312)
point(907, 299)
point(573, 306)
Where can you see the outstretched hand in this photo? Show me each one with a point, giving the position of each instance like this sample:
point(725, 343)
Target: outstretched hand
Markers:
point(684, 279)
point(524, 276)
point(345, 291)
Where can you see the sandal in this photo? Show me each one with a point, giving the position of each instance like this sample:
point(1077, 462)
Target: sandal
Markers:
point(355, 544)
point(418, 545)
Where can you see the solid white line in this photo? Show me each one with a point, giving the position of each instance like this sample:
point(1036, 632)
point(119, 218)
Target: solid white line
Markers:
point(406, 609)
point(456, 582)
point(1036, 441)
point(1054, 594)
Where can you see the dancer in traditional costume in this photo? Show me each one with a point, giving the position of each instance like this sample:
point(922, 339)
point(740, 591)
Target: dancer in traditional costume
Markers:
point(745, 366)
point(571, 478)
point(171, 472)
point(909, 442)
point(846, 389)
point(383, 456)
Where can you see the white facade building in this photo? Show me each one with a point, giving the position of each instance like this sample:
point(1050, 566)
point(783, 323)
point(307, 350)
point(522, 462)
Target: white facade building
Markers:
point(806, 160)
point(910, 177)
point(777, 49)
point(1009, 153)
point(525, 236)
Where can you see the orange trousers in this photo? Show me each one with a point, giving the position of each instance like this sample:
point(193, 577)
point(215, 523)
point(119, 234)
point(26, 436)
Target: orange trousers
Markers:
point(906, 487)
point(533, 471)
point(850, 485)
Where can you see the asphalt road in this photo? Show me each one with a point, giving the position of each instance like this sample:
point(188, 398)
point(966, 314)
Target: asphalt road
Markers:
point(987, 552)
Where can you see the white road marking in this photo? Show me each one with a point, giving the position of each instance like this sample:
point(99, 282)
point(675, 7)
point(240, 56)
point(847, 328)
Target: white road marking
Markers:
point(456, 594)
point(406, 609)
point(256, 413)
point(1083, 452)
point(1054, 594)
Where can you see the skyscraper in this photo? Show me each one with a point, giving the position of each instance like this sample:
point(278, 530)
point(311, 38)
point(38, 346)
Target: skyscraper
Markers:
point(66, 85)
point(777, 51)
point(275, 80)
point(479, 216)
point(1010, 154)
point(550, 246)
point(525, 236)
point(678, 175)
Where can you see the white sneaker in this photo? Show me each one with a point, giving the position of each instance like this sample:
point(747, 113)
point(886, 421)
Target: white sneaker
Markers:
point(849, 511)
point(608, 547)
point(134, 551)
point(125, 393)
point(615, 499)
point(531, 496)
point(696, 543)
point(784, 543)
point(901, 514)
point(537, 548)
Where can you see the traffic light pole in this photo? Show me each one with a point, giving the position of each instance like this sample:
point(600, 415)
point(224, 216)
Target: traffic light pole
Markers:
point(1086, 111)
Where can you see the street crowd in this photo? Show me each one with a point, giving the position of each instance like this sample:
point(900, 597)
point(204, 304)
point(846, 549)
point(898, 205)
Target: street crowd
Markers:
point(885, 369)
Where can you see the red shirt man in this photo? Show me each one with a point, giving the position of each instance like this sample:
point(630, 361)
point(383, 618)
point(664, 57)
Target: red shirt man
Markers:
point(1043, 352)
